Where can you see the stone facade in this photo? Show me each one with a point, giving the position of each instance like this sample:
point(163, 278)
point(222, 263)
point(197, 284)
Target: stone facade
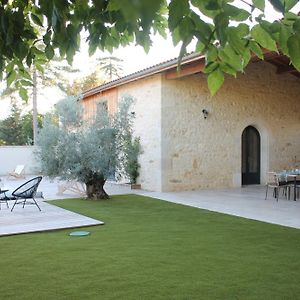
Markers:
point(147, 108)
point(206, 153)
point(183, 151)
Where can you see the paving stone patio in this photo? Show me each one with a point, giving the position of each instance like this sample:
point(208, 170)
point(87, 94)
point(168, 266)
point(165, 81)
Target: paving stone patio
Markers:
point(247, 202)
point(30, 219)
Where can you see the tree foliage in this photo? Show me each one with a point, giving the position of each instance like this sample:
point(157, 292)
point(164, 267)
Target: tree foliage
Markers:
point(17, 129)
point(111, 66)
point(107, 69)
point(82, 84)
point(131, 162)
point(225, 32)
point(87, 151)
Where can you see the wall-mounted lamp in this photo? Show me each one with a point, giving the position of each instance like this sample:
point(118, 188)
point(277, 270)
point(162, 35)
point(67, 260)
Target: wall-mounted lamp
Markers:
point(205, 113)
point(133, 113)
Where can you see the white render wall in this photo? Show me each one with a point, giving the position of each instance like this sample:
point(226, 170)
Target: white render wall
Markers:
point(206, 153)
point(11, 156)
point(147, 126)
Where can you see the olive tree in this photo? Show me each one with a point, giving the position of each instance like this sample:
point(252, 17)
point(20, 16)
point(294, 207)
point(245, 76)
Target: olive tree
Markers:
point(89, 151)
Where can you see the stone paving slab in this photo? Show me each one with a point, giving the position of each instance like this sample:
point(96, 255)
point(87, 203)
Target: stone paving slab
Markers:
point(30, 219)
point(247, 202)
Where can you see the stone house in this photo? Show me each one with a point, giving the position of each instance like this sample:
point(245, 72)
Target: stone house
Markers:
point(191, 140)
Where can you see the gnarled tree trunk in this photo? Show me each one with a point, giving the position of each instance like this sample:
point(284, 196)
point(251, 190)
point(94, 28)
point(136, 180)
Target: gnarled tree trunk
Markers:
point(95, 188)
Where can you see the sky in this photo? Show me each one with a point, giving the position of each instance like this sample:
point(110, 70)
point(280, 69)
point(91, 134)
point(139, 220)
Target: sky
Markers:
point(134, 59)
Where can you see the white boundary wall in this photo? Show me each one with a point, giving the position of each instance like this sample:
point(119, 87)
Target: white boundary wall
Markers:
point(11, 156)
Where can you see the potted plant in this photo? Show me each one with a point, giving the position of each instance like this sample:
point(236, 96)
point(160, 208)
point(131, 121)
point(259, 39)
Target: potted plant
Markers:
point(131, 165)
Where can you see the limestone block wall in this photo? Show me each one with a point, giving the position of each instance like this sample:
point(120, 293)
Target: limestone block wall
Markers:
point(206, 153)
point(147, 126)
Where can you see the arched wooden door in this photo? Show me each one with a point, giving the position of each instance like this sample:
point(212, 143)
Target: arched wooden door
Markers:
point(250, 156)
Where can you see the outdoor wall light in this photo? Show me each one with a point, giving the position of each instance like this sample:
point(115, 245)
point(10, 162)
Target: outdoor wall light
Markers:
point(205, 113)
point(133, 113)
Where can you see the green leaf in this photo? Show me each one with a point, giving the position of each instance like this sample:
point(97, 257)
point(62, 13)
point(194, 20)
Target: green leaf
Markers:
point(29, 59)
point(26, 83)
point(25, 74)
point(289, 18)
point(21, 50)
point(200, 47)
point(176, 36)
point(39, 68)
point(10, 66)
point(114, 5)
point(289, 4)
point(47, 37)
point(275, 27)
point(210, 67)
point(254, 47)
point(278, 5)
point(260, 4)
point(246, 57)
point(177, 10)
point(263, 38)
point(11, 76)
point(296, 26)
point(186, 27)
point(221, 22)
point(49, 51)
point(23, 94)
point(202, 30)
point(235, 13)
point(228, 69)
point(37, 51)
point(229, 56)
point(236, 37)
point(212, 53)
point(37, 19)
point(212, 5)
point(293, 44)
point(215, 80)
point(285, 33)
point(209, 8)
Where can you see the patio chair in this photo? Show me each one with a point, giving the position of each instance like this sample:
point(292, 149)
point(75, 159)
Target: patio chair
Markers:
point(3, 198)
point(26, 192)
point(277, 185)
point(19, 172)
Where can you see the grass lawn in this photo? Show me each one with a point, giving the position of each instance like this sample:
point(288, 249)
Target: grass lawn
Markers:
point(151, 249)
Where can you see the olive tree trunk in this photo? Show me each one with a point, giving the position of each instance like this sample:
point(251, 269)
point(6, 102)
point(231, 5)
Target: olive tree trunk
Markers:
point(95, 189)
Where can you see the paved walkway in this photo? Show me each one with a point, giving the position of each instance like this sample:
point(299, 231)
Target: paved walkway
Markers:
point(30, 219)
point(247, 202)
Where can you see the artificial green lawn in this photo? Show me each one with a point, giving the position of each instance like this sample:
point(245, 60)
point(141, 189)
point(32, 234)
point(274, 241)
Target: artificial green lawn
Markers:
point(151, 249)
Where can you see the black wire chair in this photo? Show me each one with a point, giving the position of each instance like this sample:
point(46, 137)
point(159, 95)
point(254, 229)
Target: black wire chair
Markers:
point(25, 192)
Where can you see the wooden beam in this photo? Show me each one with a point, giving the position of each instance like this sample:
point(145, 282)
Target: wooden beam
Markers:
point(193, 68)
point(285, 69)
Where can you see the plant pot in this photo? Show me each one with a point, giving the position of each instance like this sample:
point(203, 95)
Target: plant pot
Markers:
point(135, 186)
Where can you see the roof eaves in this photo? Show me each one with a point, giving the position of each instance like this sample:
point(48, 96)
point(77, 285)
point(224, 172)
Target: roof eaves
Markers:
point(158, 68)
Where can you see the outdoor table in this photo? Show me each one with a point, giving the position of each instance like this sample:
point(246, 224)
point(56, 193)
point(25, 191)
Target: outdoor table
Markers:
point(294, 176)
point(4, 199)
